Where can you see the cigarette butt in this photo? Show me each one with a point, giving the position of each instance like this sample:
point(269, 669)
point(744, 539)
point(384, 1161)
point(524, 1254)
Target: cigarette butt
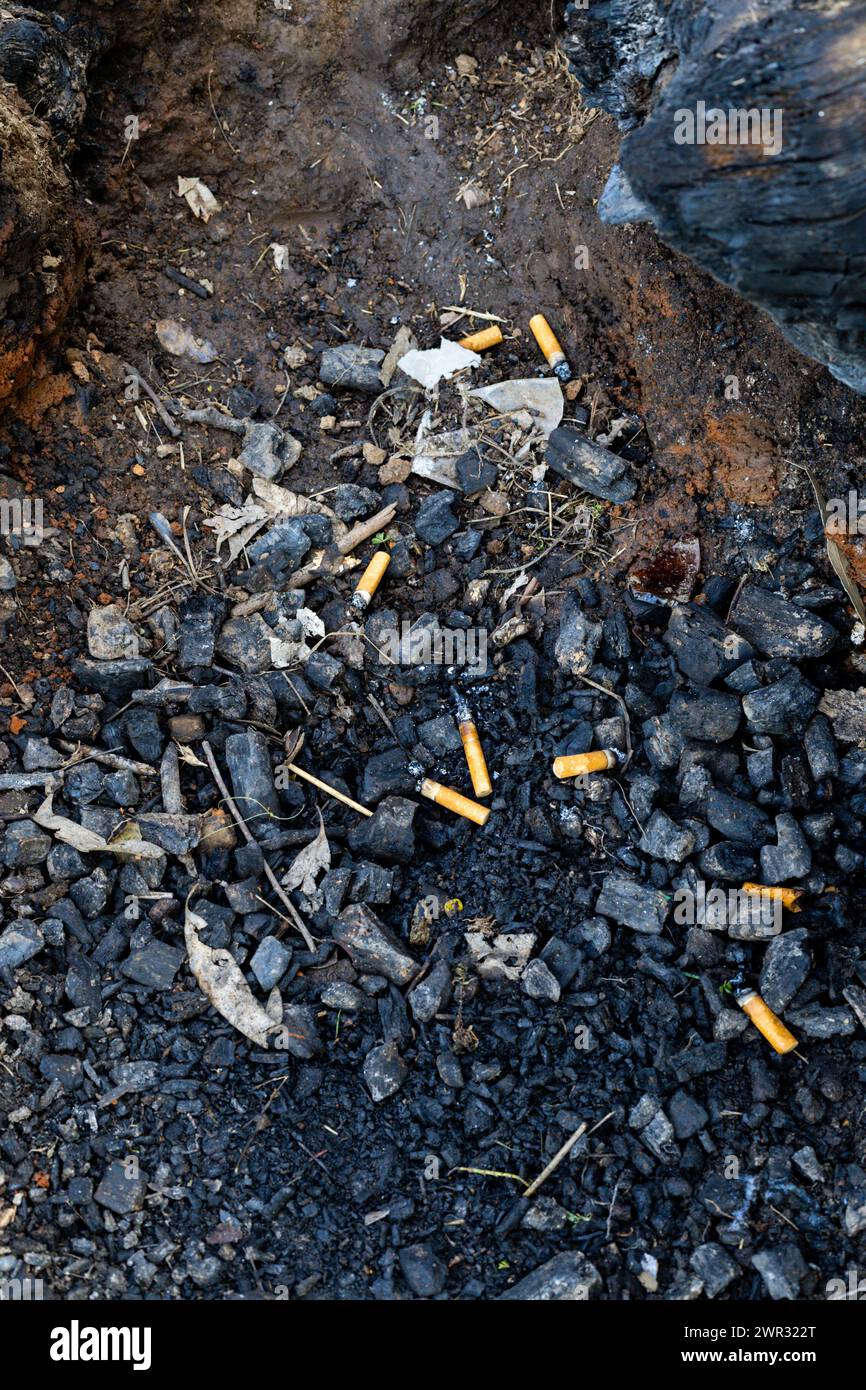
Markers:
point(484, 338)
point(766, 1022)
point(454, 801)
point(475, 760)
point(550, 346)
point(788, 897)
point(578, 764)
point(371, 579)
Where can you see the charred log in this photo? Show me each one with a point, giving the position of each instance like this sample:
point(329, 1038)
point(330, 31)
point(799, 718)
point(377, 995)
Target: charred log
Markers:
point(746, 132)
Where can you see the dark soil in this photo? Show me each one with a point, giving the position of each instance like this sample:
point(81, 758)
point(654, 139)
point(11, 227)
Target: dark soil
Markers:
point(272, 1176)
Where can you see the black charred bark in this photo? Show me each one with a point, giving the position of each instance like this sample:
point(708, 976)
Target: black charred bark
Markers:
point(780, 216)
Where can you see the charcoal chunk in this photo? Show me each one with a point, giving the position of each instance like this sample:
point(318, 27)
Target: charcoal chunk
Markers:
point(589, 466)
point(736, 819)
point(632, 904)
point(785, 707)
point(372, 947)
point(790, 857)
point(388, 834)
point(786, 965)
point(567, 1278)
point(708, 714)
point(350, 365)
point(777, 627)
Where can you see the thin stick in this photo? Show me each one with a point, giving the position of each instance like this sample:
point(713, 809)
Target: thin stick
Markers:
point(151, 394)
point(12, 683)
point(245, 831)
point(216, 117)
point(359, 533)
point(563, 1153)
point(82, 752)
point(621, 702)
point(365, 529)
point(323, 787)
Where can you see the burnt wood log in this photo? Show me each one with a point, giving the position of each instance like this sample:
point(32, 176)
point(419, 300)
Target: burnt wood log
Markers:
point(745, 145)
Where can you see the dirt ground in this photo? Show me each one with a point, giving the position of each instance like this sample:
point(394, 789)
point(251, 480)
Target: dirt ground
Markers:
point(406, 185)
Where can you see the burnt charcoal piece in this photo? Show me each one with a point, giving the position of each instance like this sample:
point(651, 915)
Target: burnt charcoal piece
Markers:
point(372, 947)
point(352, 366)
point(791, 857)
point(113, 680)
point(589, 466)
point(786, 964)
point(702, 646)
point(728, 861)
point(820, 749)
point(565, 1278)
point(777, 627)
point(632, 904)
point(252, 776)
point(387, 834)
point(737, 820)
point(708, 714)
point(785, 707)
point(743, 156)
point(475, 472)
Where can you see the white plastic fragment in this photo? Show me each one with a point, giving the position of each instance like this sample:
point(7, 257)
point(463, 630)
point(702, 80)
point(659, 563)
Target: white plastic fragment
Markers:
point(433, 365)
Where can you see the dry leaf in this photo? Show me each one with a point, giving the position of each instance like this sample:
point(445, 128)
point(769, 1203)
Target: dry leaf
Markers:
point(198, 195)
point(180, 341)
point(220, 977)
point(313, 858)
point(473, 196)
point(87, 841)
point(466, 65)
point(835, 555)
point(237, 526)
point(186, 755)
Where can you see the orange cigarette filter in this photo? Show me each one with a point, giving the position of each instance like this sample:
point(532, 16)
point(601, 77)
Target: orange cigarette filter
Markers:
point(371, 579)
point(550, 346)
point(578, 764)
point(475, 760)
point(788, 897)
point(454, 801)
point(484, 338)
point(773, 1029)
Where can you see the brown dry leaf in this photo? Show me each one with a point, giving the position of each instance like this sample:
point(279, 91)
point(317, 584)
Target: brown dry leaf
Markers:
point(466, 65)
point(834, 554)
point(282, 502)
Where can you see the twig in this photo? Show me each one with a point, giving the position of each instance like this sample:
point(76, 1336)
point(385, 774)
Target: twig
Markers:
point(621, 702)
point(216, 117)
point(82, 752)
point(247, 834)
point(563, 1153)
point(323, 787)
point(152, 396)
point(12, 683)
point(362, 532)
